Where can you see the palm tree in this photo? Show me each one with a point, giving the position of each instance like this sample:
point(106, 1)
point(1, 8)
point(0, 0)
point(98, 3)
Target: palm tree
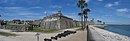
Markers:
point(81, 4)
point(99, 21)
point(104, 23)
point(80, 14)
point(85, 12)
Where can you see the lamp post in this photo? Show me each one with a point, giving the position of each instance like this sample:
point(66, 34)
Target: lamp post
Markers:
point(45, 18)
point(37, 35)
point(0, 20)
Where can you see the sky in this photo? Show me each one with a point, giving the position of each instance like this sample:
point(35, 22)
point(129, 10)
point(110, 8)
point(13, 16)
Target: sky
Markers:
point(109, 11)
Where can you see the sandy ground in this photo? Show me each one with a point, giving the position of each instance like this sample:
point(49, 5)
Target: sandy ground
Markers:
point(30, 36)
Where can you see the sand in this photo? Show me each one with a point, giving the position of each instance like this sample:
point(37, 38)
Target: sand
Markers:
point(30, 36)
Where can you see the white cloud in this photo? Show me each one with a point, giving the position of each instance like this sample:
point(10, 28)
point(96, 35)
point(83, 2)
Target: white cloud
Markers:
point(100, 0)
point(3, 1)
point(87, 0)
point(122, 10)
point(112, 4)
point(22, 12)
point(109, 5)
point(106, 16)
point(21, 8)
point(45, 12)
point(36, 7)
point(31, 2)
point(126, 15)
point(116, 3)
point(72, 15)
point(55, 6)
point(53, 12)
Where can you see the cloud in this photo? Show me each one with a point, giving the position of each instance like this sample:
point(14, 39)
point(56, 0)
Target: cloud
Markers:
point(100, 0)
point(50, 12)
point(126, 15)
point(106, 16)
point(87, 0)
point(53, 12)
point(14, 8)
point(45, 12)
point(69, 4)
point(55, 6)
point(109, 5)
point(3, 1)
point(116, 3)
point(22, 12)
point(72, 15)
point(122, 10)
point(32, 2)
point(36, 7)
point(112, 4)
point(11, 2)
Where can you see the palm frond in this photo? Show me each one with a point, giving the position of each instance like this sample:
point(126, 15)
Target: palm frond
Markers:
point(86, 4)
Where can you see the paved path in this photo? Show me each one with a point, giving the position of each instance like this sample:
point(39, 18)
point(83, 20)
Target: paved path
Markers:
point(79, 36)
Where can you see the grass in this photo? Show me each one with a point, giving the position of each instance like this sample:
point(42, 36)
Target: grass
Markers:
point(43, 30)
point(76, 27)
point(7, 34)
point(47, 30)
point(17, 24)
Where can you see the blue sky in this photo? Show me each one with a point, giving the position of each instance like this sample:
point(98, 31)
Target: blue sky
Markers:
point(109, 11)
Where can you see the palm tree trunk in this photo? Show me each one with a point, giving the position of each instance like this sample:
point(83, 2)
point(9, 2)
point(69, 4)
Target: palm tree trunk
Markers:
point(82, 26)
point(82, 22)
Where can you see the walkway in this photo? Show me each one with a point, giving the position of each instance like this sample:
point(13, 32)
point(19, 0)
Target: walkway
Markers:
point(79, 36)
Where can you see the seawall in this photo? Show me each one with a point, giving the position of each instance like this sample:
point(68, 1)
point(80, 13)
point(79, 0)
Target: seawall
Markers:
point(98, 34)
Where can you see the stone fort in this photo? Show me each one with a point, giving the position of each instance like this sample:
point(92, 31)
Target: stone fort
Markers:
point(58, 21)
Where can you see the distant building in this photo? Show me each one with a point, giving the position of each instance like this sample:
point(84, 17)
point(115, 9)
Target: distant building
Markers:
point(57, 21)
point(17, 21)
point(91, 22)
point(1, 22)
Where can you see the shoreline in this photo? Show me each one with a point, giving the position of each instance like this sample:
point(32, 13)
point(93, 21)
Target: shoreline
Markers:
point(110, 36)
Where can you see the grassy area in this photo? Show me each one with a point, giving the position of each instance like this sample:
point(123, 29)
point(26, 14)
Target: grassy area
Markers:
point(43, 30)
point(17, 24)
point(38, 29)
point(7, 34)
point(76, 27)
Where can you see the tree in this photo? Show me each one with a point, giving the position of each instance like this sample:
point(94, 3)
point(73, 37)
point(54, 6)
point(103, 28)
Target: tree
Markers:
point(80, 14)
point(81, 4)
point(99, 21)
point(104, 23)
point(85, 12)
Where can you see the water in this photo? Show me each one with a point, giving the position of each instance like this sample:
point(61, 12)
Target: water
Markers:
point(120, 29)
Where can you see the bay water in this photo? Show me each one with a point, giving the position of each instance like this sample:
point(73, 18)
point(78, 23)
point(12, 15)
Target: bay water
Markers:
point(120, 29)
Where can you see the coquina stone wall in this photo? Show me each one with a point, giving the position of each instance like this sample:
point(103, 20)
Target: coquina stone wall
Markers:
point(14, 27)
point(58, 21)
